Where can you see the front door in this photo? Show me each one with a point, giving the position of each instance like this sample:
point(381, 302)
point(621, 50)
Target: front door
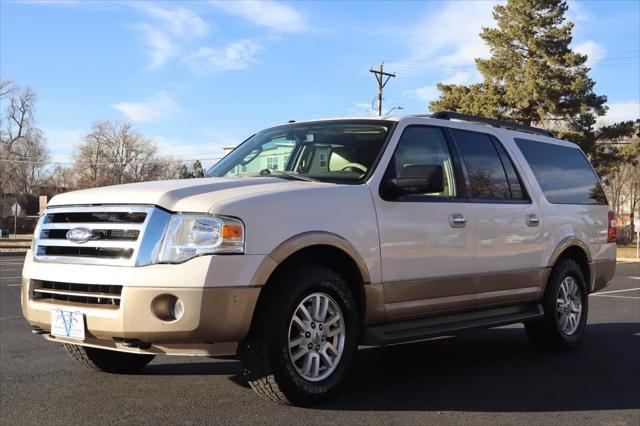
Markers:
point(427, 241)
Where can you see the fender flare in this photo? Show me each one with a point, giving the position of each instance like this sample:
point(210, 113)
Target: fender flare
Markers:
point(304, 240)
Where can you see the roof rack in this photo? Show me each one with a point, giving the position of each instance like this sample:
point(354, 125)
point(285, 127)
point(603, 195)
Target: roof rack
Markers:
point(449, 115)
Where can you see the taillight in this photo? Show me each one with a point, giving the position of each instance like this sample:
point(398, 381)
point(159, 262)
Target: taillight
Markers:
point(612, 231)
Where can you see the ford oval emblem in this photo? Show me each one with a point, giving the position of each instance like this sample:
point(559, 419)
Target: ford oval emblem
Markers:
point(80, 235)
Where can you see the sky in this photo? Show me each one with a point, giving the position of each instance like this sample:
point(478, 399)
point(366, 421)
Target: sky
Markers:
point(197, 76)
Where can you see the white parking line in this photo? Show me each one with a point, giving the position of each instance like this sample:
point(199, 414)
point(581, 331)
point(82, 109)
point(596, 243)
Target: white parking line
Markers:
point(635, 278)
point(2, 278)
point(618, 291)
point(617, 297)
point(14, 285)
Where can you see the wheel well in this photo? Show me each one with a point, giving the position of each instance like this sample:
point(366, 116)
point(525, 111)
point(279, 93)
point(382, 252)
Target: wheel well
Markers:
point(580, 257)
point(327, 255)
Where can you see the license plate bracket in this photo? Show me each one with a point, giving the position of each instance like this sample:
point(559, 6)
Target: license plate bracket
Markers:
point(69, 324)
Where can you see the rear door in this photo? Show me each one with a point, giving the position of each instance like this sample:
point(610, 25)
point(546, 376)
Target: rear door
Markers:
point(427, 241)
point(508, 243)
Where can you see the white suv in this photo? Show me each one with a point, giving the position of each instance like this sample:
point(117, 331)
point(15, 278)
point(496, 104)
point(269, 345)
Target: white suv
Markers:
point(312, 238)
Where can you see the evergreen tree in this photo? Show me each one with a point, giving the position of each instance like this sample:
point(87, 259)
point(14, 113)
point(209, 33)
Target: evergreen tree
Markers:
point(195, 171)
point(184, 172)
point(532, 76)
point(198, 171)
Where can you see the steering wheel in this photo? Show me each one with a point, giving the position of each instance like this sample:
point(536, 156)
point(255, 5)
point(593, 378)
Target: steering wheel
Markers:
point(359, 166)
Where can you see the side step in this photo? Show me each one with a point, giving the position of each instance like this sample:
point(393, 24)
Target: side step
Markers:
point(404, 331)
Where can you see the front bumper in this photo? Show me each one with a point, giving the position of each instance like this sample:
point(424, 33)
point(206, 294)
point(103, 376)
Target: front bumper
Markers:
point(214, 319)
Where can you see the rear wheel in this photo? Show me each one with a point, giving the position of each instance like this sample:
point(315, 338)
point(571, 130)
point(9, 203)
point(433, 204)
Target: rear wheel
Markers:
point(565, 306)
point(107, 360)
point(302, 344)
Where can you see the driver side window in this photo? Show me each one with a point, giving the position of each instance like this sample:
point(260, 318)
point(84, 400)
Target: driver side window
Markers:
point(419, 148)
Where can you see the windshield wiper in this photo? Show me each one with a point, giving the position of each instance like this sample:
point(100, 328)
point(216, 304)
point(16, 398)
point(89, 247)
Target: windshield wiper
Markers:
point(268, 172)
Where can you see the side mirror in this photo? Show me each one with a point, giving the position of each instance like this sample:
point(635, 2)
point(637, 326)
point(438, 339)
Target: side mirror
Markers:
point(416, 179)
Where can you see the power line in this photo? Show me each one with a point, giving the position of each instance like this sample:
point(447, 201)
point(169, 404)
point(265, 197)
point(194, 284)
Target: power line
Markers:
point(382, 81)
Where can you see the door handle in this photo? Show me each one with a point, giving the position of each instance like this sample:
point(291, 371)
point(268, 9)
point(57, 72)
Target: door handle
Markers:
point(533, 219)
point(457, 220)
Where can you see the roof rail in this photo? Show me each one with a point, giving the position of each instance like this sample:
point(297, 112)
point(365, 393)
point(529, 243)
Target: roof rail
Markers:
point(449, 115)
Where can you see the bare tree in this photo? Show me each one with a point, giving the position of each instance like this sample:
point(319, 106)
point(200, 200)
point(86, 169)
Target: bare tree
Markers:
point(62, 178)
point(23, 153)
point(115, 153)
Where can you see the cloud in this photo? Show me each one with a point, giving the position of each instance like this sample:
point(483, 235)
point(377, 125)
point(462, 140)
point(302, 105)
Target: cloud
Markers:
point(621, 111)
point(161, 48)
point(447, 39)
point(155, 108)
point(171, 32)
point(167, 31)
point(424, 94)
point(431, 92)
point(266, 13)
point(462, 77)
point(577, 12)
point(180, 22)
point(234, 56)
point(595, 52)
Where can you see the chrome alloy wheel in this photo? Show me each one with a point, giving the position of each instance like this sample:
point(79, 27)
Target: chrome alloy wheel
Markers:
point(569, 306)
point(316, 337)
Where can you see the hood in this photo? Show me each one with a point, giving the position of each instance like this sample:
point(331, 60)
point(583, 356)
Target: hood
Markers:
point(186, 195)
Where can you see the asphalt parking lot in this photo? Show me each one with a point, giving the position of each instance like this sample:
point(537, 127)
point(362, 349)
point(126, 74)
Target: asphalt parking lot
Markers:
point(487, 377)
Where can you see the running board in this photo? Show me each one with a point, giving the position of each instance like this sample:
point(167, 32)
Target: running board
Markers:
point(404, 331)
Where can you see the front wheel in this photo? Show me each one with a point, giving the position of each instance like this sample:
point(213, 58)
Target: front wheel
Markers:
point(303, 343)
point(565, 305)
point(107, 360)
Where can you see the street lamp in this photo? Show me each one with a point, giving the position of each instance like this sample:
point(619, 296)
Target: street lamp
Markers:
point(395, 107)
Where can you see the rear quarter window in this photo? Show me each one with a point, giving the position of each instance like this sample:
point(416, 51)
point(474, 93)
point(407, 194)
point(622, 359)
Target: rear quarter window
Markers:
point(563, 172)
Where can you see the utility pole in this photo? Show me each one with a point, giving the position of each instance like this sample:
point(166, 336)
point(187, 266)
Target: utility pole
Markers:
point(382, 81)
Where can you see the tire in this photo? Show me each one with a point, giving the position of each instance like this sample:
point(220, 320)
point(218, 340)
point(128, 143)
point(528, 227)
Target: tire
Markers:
point(107, 360)
point(554, 331)
point(268, 363)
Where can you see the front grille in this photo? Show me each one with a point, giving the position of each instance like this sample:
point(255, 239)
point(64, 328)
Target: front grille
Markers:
point(105, 235)
point(97, 217)
point(99, 234)
point(100, 252)
point(89, 294)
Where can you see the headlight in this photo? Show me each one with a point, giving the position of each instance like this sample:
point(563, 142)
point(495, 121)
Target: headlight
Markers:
point(191, 235)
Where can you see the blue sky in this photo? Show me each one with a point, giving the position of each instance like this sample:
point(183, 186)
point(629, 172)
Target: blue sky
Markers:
point(197, 76)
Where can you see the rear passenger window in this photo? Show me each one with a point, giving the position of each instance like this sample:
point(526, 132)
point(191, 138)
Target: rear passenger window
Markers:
point(563, 172)
point(487, 176)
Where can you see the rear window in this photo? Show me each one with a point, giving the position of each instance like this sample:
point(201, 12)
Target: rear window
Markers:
point(487, 177)
point(564, 173)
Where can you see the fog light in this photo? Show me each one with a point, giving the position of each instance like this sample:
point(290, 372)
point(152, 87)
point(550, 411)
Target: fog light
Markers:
point(178, 309)
point(167, 307)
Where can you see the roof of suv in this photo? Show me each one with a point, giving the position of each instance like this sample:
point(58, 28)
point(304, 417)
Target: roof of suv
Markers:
point(513, 130)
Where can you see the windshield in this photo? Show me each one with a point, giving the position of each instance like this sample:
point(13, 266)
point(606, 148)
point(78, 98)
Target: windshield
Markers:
point(334, 151)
